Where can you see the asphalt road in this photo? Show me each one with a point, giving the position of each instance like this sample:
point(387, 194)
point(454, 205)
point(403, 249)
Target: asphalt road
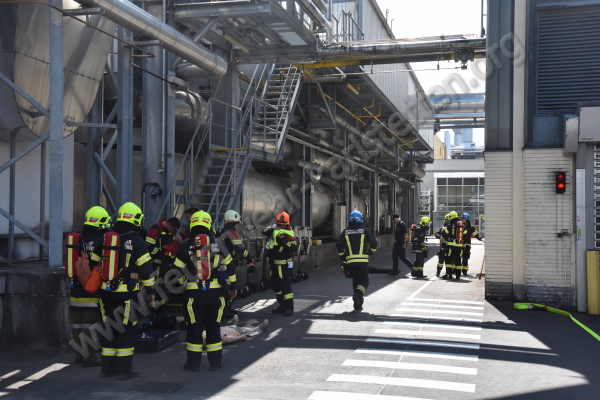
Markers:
point(416, 338)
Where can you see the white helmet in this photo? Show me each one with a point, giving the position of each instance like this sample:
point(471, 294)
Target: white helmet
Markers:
point(232, 215)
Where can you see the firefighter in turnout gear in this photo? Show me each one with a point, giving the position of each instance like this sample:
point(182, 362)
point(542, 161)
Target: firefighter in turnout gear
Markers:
point(355, 245)
point(281, 246)
point(126, 267)
point(399, 251)
point(452, 234)
point(84, 306)
point(208, 274)
point(442, 253)
point(235, 245)
point(419, 247)
point(469, 232)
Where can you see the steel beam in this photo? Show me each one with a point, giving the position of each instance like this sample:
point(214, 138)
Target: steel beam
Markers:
point(197, 37)
point(124, 120)
point(24, 152)
point(293, 23)
point(224, 8)
point(55, 39)
point(28, 231)
point(93, 175)
point(11, 200)
point(109, 175)
point(42, 228)
point(25, 95)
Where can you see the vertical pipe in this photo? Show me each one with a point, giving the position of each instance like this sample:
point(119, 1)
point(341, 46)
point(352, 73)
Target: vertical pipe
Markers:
point(124, 121)
point(11, 201)
point(93, 169)
point(55, 38)
point(42, 233)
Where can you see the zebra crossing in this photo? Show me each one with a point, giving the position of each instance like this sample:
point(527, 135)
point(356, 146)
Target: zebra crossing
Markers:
point(427, 347)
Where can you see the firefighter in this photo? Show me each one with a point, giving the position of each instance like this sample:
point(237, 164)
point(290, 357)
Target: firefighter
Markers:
point(281, 246)
point(454, 247)
point(163, 242)
point(419, 248)
point(134, 268)
point(441, 254)
point(231, 237)
point(204, 299)
point(84, 306)
point(355, 245)
point(469, 232)
point(399, 251)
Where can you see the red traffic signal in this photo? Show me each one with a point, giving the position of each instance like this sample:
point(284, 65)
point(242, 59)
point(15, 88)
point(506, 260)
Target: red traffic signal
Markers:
point(561, 179)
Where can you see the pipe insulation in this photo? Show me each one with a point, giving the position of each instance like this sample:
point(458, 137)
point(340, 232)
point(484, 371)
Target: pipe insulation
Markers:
point(315, 14)
point(139, 21)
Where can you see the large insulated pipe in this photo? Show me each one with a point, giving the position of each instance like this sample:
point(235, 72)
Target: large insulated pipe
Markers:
point(458, 103)
point(139, 21)
point(315, 14)
point(190, 110)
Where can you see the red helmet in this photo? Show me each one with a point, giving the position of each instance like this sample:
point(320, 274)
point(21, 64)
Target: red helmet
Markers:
point(282, 218)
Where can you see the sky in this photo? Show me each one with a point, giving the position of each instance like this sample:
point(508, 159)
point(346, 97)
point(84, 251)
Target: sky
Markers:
point(435, 18)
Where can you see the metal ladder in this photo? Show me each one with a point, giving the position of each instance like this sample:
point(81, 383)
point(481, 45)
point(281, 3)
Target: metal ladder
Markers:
point(261, 133)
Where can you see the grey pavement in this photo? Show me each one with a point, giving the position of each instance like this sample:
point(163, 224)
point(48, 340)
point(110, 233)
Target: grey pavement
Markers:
point(464, 347)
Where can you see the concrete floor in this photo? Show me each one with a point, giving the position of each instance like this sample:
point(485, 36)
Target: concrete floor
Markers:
point(315, 354)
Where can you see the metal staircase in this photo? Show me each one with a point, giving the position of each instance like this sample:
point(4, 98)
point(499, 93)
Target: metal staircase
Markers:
point(261, 133)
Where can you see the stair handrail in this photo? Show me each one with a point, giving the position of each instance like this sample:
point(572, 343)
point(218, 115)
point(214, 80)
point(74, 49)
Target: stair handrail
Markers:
point(291, 104)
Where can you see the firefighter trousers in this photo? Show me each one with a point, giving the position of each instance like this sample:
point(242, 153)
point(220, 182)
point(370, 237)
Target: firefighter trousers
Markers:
point(82, 319)
point(360, 277)
point(200, 315)
point(281, 282)
point(465, 259)
point(399, 252)
point(117, 351)
point(441, 258)
point(453, 260)
point(419, 264)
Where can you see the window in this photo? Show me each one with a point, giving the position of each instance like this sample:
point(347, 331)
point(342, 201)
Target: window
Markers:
point(482, 181)
point(441, 181)
point(471, 181)
point(455, 181)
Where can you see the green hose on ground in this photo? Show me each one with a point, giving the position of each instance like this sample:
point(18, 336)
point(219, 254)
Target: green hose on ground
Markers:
point(533, 306)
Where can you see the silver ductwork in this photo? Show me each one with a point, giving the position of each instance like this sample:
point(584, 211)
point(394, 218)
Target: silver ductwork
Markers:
point(190, 110)
point(187, 71)
point(24, 55)
point(315, 13)
point(458, 103)
point(139, 21)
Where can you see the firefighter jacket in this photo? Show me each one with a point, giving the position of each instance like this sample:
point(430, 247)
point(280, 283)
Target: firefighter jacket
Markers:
point(468, 233)
point(160, 242)
point(135, 266)
point(92, 238)
point(356, 244)
point(449, 233)
point(438, 235)
point(281, 244)
point(418, 239)
point(401, 230)
point(219, 281)
point(234, 242)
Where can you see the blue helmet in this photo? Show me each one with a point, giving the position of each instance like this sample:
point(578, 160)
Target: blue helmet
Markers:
point(467, 217)
point(356, 216)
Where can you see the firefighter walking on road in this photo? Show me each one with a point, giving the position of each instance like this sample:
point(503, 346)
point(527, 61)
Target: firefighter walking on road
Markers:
point(208, 274)
point(399, 251)
point(281, 246)
point(442, 253)
point(355, 245)
point(126, 266)
point(469, 232)
point(419, 248)
point(452, 234)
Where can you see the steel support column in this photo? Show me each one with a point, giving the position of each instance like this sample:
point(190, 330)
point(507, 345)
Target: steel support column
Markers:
point(11, 200)
point(170, 168)
point(55, 38)
point(299, 181)
point(374, 200)
point(94, 176)
point(124, 120)
point(42, 229)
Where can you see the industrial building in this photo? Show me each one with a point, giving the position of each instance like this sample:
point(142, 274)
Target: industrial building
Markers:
point(260, 106)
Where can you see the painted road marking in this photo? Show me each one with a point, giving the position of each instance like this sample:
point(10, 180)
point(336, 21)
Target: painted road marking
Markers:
point(418, 290)
point(475, 314)
point(448, 301)
point(472, 346)
point(429, 333)
point(411, 366)
point(423, 354)
point(477, 321)
point(37, 375)
point(420, 383)
point(442, 305)
point(3, 377)
point(320, 395)
point(424, 324)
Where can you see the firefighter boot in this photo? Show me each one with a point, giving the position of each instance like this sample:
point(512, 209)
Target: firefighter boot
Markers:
point(439, 270)
point(457, 273)
point(358, 301)
point(193, 361)
point(281, 308)
point(124, 367)
point(214, 359)
point(465, 271)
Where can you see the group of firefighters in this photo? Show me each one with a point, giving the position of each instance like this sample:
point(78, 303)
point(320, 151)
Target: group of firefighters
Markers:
point(455, 237)
point(128, 262)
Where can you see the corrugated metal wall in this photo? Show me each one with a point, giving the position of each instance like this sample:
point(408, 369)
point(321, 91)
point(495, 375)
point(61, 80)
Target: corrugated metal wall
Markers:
point(498, 224)
point(549, 259)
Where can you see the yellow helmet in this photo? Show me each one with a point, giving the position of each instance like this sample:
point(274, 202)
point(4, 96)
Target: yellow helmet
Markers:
point(447, 217)
point(453, 215)
point(424, 221)
point(97, 216)
point(131, 213)
point(201, 218)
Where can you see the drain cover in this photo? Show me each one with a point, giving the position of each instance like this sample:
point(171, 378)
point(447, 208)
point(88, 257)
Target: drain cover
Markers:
point(157, 387)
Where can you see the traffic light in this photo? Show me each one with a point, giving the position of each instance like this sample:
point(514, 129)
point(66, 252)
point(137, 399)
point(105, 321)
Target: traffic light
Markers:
point(561, 180)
